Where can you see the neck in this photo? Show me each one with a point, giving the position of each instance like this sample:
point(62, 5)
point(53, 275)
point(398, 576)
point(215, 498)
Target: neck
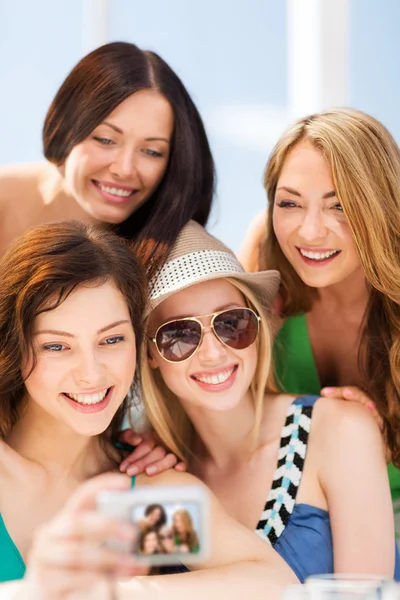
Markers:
point(44, 440)
point(350, 295)
point(226, 437)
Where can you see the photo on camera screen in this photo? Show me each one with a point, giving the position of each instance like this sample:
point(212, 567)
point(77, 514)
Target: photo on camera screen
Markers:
point(169, 528)
point(172, 522)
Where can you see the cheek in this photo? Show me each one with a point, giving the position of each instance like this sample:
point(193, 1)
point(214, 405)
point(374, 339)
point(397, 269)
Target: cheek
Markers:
point(43, 378)
point(173, 376)
point(278, 226)
point(125, 364)
point(153, 174)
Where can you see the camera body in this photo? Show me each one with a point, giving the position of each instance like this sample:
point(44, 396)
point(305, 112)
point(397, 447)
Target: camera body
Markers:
point(172, 522)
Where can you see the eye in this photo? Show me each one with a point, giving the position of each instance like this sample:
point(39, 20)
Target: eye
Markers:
point(53, 347)
point(103, 141)
point(153, 153)
point(338, 207)
point(286, 204)
point(112, 341)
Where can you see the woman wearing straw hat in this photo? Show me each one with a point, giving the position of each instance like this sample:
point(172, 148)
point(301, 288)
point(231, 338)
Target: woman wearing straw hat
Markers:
point(208, 390)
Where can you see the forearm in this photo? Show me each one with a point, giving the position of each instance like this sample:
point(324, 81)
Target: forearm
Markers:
point(255, 580)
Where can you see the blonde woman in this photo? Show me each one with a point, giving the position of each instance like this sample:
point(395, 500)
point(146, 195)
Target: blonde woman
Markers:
point(282, 466)
point(333, 231)
point(186, 539)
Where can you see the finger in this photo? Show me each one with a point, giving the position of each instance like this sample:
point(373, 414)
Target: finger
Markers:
point(130, 437)
point(94, 527)
point(152, 458)
point(85, 496)
point(78, 557)
point(181, 466)
point(347, 393)
point(167, 462)
point(336, 392)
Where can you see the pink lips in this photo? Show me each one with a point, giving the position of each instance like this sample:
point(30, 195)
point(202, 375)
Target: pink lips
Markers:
point(90, 408)
point(317, 263)
point(217, 387)
point(110, 197)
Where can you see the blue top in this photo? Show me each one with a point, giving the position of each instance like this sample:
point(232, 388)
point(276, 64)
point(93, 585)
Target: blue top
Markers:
point(300, 533)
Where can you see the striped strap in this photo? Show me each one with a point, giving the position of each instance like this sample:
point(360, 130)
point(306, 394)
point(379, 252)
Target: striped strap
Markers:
point(287, 476)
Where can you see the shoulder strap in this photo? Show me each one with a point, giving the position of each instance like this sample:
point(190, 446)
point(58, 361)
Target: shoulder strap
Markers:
point(287, 476)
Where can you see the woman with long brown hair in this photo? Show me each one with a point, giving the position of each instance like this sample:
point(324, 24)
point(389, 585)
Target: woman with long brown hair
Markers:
point(333, 230)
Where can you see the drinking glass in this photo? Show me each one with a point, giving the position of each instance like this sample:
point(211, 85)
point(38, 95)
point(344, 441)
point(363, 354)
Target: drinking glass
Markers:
point(346, 587)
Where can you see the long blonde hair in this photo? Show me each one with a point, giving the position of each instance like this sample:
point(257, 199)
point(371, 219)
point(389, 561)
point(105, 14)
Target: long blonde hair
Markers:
point(164, 409)
point(365, 163)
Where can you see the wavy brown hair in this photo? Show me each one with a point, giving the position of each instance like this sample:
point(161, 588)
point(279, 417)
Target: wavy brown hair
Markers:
point(365, 163)
point(37, 274)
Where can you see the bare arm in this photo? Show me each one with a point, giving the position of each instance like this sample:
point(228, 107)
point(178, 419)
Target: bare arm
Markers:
point(251, 248)
point(68, 556)
point(354, 478)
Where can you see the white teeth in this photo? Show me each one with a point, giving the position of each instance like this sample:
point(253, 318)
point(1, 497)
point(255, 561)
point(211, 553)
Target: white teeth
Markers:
point(216, 378)
point(318, 255)
point(88, 398)
point(115, 191)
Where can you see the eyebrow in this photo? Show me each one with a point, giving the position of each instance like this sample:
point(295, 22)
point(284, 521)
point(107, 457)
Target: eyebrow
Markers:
point(71, 335)
point(296, 193)
point(149, 139)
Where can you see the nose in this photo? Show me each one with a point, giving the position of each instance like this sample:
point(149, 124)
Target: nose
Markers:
point(211, 349)
point(89, 370)
point(313, 226)
point(123, 165)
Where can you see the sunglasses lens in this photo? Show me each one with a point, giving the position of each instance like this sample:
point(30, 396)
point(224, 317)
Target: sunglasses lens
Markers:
point(178, 340)
point(237, 328)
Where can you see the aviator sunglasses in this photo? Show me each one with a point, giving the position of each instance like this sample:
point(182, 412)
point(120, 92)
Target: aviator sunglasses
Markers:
point(178, 340)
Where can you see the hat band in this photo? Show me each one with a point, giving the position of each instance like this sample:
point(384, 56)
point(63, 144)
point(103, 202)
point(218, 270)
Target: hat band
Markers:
point(193, 268)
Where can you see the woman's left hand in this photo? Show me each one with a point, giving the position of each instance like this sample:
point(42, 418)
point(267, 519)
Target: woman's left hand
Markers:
point(149, 456)
point(355, 394)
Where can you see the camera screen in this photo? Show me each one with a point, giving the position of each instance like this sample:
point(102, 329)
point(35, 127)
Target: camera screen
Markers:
point(167, 528)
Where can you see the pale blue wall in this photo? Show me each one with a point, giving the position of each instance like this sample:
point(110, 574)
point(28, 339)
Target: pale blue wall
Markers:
point(230, 54)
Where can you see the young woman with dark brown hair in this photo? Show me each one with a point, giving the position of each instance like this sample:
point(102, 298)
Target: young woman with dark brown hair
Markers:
point(125, 146)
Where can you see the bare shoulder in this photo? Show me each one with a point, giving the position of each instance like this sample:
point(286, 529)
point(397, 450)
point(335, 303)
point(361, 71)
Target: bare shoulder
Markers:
point(169, 477)
point(20, 178)
point(250, 248)
point(344, 423)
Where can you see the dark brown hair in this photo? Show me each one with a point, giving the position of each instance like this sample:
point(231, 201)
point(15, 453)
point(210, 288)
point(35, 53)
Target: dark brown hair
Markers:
point(37, 274)
point(93, 89)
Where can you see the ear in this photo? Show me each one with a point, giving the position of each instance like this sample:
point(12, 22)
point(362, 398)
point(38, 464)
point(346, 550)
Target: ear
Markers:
point(151, 357)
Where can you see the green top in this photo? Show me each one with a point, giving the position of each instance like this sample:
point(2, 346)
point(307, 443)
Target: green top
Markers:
point(12, 565)
point(296, 373)
point(294, 360)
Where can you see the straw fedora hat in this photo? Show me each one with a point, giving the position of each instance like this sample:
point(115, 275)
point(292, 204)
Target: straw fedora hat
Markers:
point(197, 256)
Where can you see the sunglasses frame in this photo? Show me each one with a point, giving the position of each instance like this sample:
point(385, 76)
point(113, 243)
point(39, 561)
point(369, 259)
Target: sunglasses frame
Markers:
point(203, 328)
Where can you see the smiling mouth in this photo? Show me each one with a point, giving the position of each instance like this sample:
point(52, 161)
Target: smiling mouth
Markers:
point(88, 399)
point(216, 378)
point(318, 256)
point(114, 191)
